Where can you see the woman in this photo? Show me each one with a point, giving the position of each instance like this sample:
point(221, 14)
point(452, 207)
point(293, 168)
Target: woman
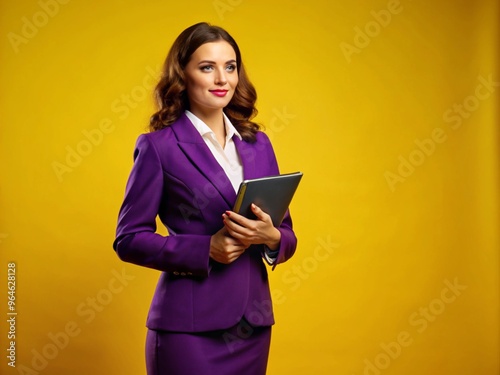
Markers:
point(212, 311)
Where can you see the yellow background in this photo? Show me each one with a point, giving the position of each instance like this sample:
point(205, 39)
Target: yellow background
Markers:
point(375, 259)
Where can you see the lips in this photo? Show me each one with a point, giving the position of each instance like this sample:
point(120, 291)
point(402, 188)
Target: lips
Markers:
point(219, 93)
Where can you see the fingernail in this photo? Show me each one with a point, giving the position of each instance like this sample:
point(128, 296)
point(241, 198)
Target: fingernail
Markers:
point(227, 213)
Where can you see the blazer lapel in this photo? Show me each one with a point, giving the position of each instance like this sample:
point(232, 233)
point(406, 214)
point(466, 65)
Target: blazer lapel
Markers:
point(248, 156)
point(194, 147)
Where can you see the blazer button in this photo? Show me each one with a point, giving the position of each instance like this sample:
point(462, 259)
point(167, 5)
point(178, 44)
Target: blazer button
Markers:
point(190, 274)
point(183, 273)
point(176, 273)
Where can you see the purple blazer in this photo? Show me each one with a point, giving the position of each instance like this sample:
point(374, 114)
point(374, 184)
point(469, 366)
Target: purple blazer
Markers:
point(176, 177)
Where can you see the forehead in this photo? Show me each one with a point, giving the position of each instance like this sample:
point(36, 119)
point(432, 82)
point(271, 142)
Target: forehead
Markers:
point(214, 51)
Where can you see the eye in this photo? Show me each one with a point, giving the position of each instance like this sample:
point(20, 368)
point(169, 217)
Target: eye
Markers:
point(206, 68)
point(231, 68)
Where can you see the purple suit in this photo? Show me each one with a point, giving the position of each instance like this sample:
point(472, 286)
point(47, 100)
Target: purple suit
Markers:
point(176, 177)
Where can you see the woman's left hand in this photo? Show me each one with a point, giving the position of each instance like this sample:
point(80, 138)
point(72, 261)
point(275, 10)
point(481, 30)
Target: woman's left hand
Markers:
point(252, 232)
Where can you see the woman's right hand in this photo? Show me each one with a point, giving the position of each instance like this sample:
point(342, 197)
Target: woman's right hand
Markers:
point(224, 248)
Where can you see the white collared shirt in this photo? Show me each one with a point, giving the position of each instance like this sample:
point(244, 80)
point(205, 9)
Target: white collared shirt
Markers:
point(227, 157)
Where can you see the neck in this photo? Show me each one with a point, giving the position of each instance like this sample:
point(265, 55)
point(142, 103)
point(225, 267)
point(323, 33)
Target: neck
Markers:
point(215, 121)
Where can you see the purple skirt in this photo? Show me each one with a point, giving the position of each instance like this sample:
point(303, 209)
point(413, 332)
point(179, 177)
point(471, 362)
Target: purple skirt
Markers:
point(241, 350)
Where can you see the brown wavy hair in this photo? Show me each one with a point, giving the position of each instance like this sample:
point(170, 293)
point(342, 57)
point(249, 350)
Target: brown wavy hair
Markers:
point(170, 92)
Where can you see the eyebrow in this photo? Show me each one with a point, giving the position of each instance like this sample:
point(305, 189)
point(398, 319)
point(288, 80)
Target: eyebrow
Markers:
point(213, 62)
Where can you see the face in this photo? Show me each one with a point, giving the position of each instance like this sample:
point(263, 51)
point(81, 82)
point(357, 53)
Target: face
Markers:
point(211, 77)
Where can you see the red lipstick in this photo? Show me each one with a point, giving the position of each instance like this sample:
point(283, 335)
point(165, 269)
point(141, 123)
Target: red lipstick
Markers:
point(219, 93)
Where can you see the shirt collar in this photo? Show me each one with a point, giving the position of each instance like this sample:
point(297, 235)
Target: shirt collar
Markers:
point(204, 129)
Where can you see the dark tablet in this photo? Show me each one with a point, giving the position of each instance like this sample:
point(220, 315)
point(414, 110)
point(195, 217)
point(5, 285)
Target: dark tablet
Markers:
point(272, 194)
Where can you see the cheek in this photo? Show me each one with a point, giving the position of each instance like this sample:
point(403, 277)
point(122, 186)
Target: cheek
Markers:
point(234, 80)
point(196, 93)
point(195, 83)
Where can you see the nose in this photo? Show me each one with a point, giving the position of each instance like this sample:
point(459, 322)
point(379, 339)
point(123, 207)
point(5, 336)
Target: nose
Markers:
point(220, 77)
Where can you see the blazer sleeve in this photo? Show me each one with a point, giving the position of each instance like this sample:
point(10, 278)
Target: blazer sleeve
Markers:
point(136, 238)
point(288, 242)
